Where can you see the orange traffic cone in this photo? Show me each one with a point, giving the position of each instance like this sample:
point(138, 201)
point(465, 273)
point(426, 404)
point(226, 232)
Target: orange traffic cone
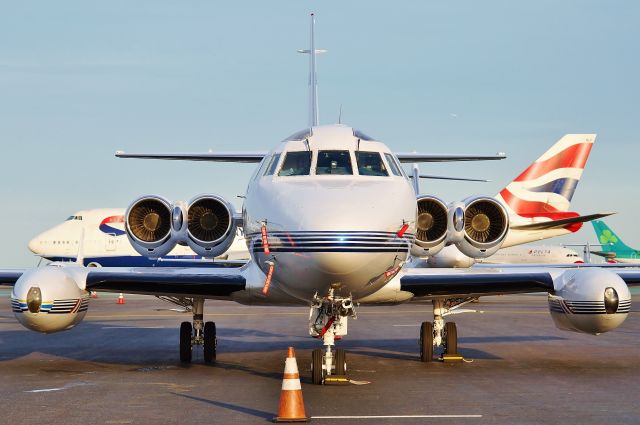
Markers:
point(94, 294)
point(291, 407)
point(120, 299)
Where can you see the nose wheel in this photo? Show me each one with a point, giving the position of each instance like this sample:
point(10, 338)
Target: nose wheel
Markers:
point(337, 362)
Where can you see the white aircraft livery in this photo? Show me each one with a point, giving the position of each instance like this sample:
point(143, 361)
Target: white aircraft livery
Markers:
point(450, 256)
point(330, 219)
point(97, 236)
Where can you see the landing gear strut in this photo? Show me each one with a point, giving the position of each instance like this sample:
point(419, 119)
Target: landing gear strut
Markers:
point(440, 334)
point(200, 333)
point(328, 320)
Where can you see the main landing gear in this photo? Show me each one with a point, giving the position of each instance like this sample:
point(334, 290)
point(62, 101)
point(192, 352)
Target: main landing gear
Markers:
point(438, 333)
point(200, 333)
point(328, 320)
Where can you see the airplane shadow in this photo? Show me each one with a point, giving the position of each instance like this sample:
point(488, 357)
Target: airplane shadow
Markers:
point(241, 409)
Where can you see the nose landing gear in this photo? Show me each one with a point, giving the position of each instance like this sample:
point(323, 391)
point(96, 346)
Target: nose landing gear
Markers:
point(328, 320)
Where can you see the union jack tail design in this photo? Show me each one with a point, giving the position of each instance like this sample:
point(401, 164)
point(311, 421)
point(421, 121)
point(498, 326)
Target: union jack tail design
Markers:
point(546, 187)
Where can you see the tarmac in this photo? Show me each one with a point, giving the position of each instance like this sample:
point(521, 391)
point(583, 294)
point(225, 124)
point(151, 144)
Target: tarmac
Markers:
point(120, 366)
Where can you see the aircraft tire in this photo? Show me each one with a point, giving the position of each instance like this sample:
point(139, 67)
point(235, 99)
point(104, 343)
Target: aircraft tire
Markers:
point(316, 367)
point(185, 342)
point(210, 342)
point(451, 332)
point(340, 361)
point(426, 342)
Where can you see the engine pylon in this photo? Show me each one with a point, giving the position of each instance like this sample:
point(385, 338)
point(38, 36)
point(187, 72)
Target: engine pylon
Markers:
point(291, 408)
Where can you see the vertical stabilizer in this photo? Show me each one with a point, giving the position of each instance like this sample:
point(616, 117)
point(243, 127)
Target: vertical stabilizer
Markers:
point(609, 240)
point(313, 79)
point(546, 187)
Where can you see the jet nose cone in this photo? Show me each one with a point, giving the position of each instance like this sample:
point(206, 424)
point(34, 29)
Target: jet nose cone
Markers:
point(34, 245)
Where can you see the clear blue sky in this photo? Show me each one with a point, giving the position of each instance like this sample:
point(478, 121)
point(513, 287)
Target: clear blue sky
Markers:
point(79, 80)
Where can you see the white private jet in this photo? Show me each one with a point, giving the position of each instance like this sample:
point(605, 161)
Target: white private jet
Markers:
point(330, 219)
point(97, 238)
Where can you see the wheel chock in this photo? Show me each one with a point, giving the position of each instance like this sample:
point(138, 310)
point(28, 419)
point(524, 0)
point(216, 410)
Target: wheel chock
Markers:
point(336, 380)
point(452, 358)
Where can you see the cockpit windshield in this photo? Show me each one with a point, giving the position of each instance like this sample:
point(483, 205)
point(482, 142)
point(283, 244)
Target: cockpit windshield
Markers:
point(296, 164)
point(74, 217)
point(334, 162)
point(370, 164)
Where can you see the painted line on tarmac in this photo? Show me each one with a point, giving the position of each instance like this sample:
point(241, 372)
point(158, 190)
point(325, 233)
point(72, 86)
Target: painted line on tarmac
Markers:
point(135, 327)
point(398, 417)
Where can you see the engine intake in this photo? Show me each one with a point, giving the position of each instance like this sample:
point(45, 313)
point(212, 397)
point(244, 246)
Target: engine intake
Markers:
point(149, 220)
point(148, 226)
point(209, 220)
point(485, 227)
point(431, 226)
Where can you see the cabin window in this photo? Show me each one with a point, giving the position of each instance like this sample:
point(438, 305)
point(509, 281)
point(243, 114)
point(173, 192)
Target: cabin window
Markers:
point(370, 164)
point(296, 164)
point(392, 164)
point(334, 162)
point(273, 165)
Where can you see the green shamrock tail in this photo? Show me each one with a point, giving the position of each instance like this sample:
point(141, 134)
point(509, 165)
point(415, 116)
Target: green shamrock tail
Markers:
point(611, 242)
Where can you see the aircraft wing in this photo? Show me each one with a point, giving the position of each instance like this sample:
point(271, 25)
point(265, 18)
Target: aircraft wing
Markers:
point(431, 157)
point(425, 282)
point(247, 157)
point(9, 276)
point(177, 281)
point(554, 224)
point(467, 282)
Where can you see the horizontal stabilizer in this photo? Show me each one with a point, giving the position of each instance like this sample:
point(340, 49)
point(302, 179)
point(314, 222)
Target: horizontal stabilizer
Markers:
point(434, 177)
point(247, 157)
point(555, 224)
point(431, 157)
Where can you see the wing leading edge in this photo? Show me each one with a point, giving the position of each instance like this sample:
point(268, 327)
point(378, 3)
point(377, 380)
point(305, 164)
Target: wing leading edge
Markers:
point(246, 157)
point(168, 281)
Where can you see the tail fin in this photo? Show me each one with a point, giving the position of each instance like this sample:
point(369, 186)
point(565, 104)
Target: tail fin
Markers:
point(546, 187)
point(610, 241)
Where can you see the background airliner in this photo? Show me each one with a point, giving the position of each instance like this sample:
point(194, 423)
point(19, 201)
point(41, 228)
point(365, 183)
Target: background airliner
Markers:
point(98, 237)
point(612, 246)
point(330, 220)
point(537, 201)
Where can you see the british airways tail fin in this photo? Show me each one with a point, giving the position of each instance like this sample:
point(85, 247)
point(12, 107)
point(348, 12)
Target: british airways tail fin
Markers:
point(609, 240)
point(546, 187)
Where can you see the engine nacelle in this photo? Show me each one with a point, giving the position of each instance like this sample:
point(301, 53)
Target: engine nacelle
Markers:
point(589, 301)
point(431, 226)
point(154, 226)
point(450, 257)
point(211, 226)
point(46, 299)
point(480, 231)
point(148, 222)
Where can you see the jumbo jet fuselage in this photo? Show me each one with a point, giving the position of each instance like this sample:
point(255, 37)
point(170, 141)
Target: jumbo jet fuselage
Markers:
point(337, 211)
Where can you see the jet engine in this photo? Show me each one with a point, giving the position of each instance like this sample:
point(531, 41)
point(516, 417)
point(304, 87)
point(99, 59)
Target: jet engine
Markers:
point(211, 227)
point(476, 226)
point(206, 223)
point(46, 299)
point(431, 226)
point(589, 301)
point(482, 228)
